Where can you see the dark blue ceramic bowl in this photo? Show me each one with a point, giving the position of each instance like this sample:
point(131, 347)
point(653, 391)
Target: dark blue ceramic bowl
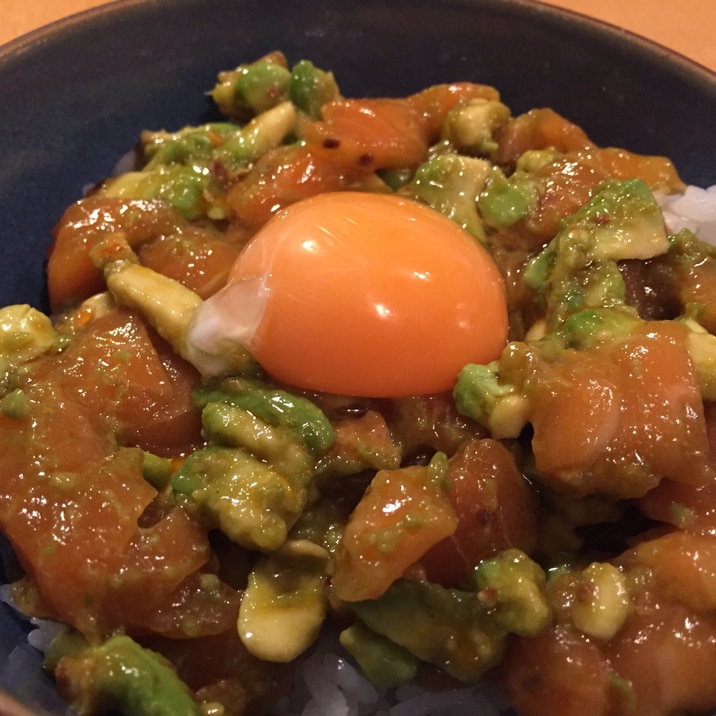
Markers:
point(75, 96)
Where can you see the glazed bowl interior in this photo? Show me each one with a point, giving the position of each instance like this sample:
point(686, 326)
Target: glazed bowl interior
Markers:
point(77, 94)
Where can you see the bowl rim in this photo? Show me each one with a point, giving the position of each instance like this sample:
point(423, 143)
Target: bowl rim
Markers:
point(66, 25)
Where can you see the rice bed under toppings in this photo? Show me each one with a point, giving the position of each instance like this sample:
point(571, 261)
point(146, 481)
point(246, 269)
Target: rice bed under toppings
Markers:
point(695, 210)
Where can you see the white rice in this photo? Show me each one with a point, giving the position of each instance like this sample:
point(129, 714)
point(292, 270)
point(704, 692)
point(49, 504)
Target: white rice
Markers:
point(695, 210)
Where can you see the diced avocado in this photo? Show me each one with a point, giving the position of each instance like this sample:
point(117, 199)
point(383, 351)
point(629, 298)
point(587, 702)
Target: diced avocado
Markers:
point(451, 183)
point(156, 470)
point(264, 132)
point(602, 603)
point(25, 333)
point(504, 202)
point(189, 145)
point(276, 407)
point(175, 167)
point(461, 632)
point(481, 395)
point(538, 270)
point(622, 220)
point(395, 177)
point(471, 127)
point(687, 249)
point(512, 586)
point(252, 88)
point(535, 159)
point(14, 405)
point(227, 424)
point(186, 188)
point(579, 282)
point(324, 519)
point(187, 168)
point(121, 677)
point(445, 627)
point(702, 348)
point(597, 326)
point(249, 501)
point(261, 86)
point(384, 662)
point(579, 269)
point(310, 88)
point(285, 601)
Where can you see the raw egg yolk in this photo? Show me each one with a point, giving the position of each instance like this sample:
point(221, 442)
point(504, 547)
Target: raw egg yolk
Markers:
point(362, 294)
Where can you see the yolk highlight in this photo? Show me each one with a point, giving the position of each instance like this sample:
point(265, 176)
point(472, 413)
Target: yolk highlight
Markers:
point(364, 294)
